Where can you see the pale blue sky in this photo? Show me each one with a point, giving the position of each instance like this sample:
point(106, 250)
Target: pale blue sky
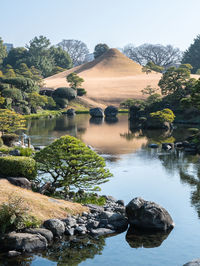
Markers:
point(115, 22)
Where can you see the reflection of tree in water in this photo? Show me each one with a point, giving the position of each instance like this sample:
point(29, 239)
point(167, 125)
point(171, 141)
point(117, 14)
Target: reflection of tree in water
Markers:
point(24, 260)
point(41, 126)
point(139, 239)
point(75, 251)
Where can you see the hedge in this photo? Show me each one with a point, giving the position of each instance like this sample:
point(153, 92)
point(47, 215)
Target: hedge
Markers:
point(17, 166)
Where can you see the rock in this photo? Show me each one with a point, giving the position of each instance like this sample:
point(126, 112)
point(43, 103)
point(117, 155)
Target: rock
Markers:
point(111, 111)
point(120, 202)
point(153, 145)
point(14, 152)
point(110, 198)
point(167, 146)
point(92, 225)
point(13, 253)
point(94, 208)
point(56, 226)
point(120, 210)
point(24, 242)
point(118, 221)
point(71, 112)
point(20, 182)
point(148, 215)
point(70, 221)
point(80, 230)
point(96, 112)
point(178, 145)
point(69, 231)
point(101, 232)
point(195, 262)
point(42, 231)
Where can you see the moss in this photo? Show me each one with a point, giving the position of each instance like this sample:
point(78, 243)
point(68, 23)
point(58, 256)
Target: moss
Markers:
point(17, 166)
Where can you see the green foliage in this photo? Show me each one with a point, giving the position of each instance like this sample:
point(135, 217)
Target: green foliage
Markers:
point(90, 198)
point(24, 84)
point(37, 100)
point(27, 152)
point(1, 142)
point(132, 102)
point(61, 102)
point(176, 81)
point(15, 57)
point(146, 69)
point(13, 93)
point(3, 52)
point(165, 115)
point(14, 215)
point(149, 90)
point(74, 80)
point(9, 139)
point(192, 55)
point(10, 121)
point(154, 67)
point(64, 92)
point(193, 100)
point(100, 49)
point(61, 57)
point(72, 164)
point(18, 166)
point(81, 92)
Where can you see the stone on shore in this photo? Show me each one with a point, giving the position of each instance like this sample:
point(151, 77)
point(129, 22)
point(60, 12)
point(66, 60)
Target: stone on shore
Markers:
point(56, 226)
point(148, 215)
point(96, 112)
point(42, 231)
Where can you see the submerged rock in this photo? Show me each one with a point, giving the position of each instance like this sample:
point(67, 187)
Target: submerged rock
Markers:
point(148, 215)
point(101, 232)
point(195, 262)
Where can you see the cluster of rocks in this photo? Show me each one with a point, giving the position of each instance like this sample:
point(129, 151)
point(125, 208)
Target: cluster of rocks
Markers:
point(184, 145)
point(112, 218)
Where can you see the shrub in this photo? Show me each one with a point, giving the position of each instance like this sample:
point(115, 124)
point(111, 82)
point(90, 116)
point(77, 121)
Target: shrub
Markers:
point(90, 198)
point(64, 92)
point(27, 152)
point(17, 166)
point(14, 216)
point(81, 92)
point(1, 142)
point(72, 164)
point(61, 102)
point(13, 93)
point(9, 139)
point(165, 115)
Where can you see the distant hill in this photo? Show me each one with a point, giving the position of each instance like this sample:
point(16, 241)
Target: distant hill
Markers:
point(109, 79)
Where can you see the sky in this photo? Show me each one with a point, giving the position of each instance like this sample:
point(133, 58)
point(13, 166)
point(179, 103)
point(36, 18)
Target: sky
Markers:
point(114, 22)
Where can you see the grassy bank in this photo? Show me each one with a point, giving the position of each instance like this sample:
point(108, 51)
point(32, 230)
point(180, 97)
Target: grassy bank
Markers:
point(40, 206)
point(44, 113)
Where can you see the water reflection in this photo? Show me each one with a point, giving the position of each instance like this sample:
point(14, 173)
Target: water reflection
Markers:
point(96, 120)
point(142, 239)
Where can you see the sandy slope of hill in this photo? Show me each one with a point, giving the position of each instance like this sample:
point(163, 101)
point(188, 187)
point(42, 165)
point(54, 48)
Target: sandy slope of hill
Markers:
point(109, 79)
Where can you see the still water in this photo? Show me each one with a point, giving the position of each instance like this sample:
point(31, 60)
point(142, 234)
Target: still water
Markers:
point(171, 179)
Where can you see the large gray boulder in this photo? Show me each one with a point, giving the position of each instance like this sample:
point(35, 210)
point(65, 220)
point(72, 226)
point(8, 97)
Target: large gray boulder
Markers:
point(96, 112)
point(111, 111)
point(148, 215)
point(42, 231)
point(71, 112)
point(195, 262)
point(56, 226)
point(24, 242)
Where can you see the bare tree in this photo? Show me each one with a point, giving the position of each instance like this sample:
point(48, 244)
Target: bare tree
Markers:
point(158, 54)
point(76, 49)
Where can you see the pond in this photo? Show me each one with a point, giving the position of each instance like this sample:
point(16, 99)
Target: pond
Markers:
point(171, 179)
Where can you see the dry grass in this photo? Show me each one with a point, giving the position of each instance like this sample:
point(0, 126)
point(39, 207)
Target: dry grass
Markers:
point(40, 206)
point(109, 79)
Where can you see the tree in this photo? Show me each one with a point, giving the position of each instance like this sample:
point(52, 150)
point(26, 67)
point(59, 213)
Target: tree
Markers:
point(61, 57)
point(39, 55)
point(149, 90)
point(76, 49)
point(11, 121)
point(176, 81)
point(15, 57)
point(192, 55)
point(154, 67)
point(64, 92)
point(74, 80)
point(24, 84)
point(159, 54)
point(100, 49)
point(3, 52)
point(72, 164)
point(36, 100)
point(194, 99)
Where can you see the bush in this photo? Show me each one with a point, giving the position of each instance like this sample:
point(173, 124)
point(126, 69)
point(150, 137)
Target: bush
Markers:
point(165, 115)
point(90, 198)
point(9, 139)
point(1, 142)
point(61, 102)
point(64, 92)
point(81, 92)
point(27, 152)
point(13, 93)
point(17, 166)
point(14, 216)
